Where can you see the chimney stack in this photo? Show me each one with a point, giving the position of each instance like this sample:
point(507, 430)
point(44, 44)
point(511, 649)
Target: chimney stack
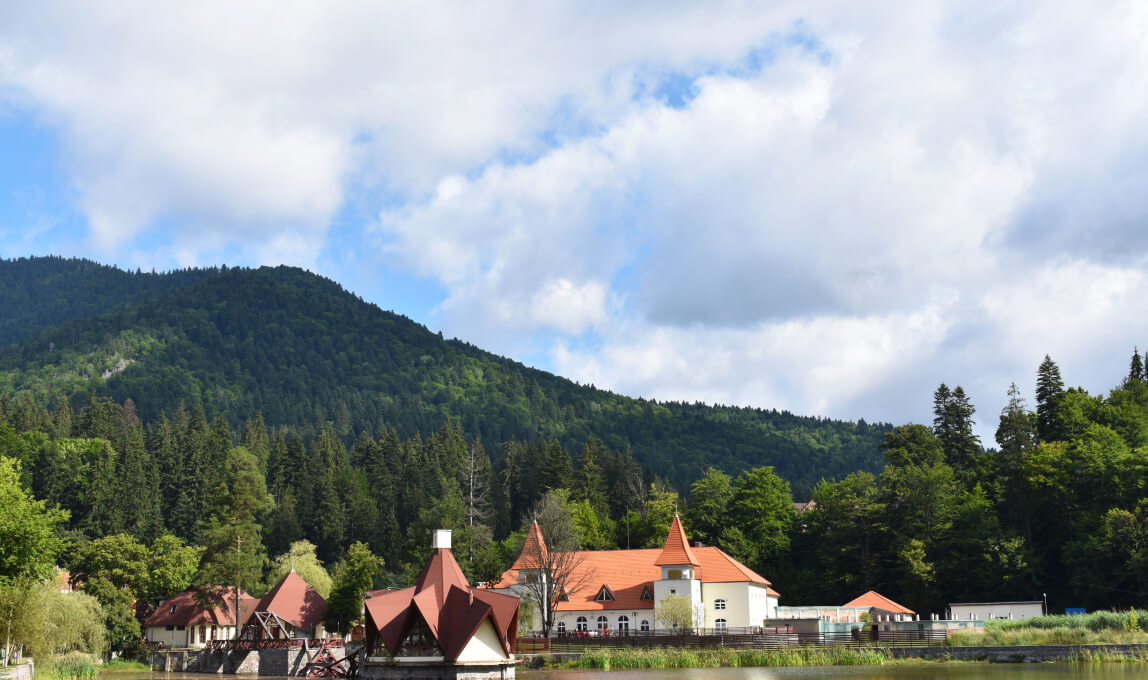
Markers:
point(441, 539)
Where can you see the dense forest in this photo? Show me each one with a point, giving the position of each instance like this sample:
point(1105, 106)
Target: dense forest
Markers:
point(1058, 506)
point(304, 353)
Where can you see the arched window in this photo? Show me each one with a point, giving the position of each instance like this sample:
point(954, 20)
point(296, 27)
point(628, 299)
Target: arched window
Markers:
point(603, 623)
point(580, 624)
point(644, 626)
point(719, 604)
point(623, 625)
point(561, 627)
point(720, 626)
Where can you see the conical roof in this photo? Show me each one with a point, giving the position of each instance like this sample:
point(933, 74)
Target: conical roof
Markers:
point(440, 573)
point(294, 601)
point(677, 548)
point(532, 549)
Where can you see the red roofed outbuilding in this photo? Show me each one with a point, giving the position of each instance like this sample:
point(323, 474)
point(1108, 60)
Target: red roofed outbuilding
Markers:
point(291, 609)
point(181, 621)
point(442, 619)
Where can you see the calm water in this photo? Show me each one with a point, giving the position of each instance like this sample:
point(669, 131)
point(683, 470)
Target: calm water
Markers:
point(935, 671)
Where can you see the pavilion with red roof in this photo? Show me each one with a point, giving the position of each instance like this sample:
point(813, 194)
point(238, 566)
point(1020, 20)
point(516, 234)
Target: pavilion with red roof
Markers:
point(625, 586)
point(442, 622)
point(291, 609)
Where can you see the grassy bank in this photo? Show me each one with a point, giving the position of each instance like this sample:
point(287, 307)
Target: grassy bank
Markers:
point(642, 658)
point(1097, 628)
point(124, 666)
point(73, 666)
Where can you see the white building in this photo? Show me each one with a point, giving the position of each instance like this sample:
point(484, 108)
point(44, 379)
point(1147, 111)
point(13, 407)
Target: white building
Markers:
point(625, 587)
point(983, 611)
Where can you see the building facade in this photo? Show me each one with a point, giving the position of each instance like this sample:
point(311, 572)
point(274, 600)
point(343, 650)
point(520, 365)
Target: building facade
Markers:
point(619, 591)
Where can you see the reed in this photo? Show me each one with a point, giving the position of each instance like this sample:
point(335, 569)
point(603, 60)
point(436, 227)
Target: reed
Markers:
point(1097, 628)
point(664, 657)
point(72, 666)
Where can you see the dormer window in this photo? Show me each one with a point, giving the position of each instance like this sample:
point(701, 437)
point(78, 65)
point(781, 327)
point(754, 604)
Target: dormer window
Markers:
point(646, 593)
point(605, 594)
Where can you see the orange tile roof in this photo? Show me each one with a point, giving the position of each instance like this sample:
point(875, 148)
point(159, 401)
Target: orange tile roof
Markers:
point(534, 546)
point(677, 548)
point(294, 601)
point(875, 599)
point(628, 572)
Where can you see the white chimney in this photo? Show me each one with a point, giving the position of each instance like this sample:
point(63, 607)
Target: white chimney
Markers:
point(441, 539)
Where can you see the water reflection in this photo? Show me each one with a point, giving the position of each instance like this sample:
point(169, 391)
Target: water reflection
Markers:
point(936, 671)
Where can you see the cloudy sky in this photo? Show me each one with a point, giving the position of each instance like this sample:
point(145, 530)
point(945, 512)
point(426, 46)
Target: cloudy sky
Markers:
point(822, 207)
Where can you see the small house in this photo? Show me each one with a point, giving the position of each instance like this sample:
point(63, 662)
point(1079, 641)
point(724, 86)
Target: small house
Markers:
point(183, 621)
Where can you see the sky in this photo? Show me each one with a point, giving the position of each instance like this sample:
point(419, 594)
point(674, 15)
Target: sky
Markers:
point(828, 208)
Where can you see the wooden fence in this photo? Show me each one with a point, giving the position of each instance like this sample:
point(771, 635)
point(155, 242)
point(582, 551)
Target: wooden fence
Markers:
point(574, 643)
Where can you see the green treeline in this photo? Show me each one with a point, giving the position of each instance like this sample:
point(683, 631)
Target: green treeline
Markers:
point(306, 354)
point(1060, 508)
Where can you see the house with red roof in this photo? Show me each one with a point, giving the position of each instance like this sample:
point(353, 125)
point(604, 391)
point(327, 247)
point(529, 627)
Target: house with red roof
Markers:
point(291, 609)
point(622, 588)
point(182, 621)
point(440, 627)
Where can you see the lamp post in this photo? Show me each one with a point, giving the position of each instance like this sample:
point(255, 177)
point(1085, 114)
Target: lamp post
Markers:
point(1045, 604)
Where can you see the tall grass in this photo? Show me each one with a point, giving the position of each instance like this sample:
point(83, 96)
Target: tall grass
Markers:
point(124, 666)
point(662, 657)
point(72, 666)
point(1097, 628)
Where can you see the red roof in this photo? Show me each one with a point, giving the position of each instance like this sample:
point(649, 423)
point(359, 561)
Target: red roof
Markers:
point(294, 601)
point(532, 548)
point(875, 599)
point(677, 548)
point(183, 610)
point(452, 610)
point(628, 572)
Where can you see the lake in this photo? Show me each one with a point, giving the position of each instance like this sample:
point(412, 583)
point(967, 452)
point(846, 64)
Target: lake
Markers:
point(931, 671)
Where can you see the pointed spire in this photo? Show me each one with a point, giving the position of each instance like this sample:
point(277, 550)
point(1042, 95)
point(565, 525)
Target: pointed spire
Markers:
point(677, 548)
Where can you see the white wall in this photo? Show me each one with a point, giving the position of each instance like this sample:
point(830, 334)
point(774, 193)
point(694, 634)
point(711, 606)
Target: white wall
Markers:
point(996, 610)
point(170, 638)
point(484, 646)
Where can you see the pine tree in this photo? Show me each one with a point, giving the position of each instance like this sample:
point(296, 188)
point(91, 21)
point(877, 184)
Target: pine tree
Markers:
point(1016, 437)
point(590, 482)
point(953, 426)
point(1136, 367)
point(256, 441)
point(557, 470)
point(62, 419)
point(1049, 393)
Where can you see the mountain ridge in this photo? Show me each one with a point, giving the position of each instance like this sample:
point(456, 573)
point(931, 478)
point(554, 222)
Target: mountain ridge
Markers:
point(304, 351)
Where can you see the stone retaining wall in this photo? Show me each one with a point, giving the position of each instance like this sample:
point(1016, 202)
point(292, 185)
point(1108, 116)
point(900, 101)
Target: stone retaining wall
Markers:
point(276, 662)
point(1020, 653)
point(21, 672)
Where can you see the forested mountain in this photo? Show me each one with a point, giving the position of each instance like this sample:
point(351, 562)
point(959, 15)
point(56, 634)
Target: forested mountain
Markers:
point(303, 352)
point(271, 409)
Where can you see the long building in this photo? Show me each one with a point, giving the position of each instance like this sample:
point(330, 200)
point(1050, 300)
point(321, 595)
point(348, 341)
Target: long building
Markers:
point(621, 589)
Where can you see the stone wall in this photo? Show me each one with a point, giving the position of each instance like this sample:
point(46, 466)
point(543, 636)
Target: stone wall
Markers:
point(1020, 653)
point(21, 672)
point(271, 662)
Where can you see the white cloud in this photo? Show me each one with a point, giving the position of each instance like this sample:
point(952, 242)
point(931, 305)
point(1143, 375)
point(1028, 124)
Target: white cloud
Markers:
point(847, 205)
